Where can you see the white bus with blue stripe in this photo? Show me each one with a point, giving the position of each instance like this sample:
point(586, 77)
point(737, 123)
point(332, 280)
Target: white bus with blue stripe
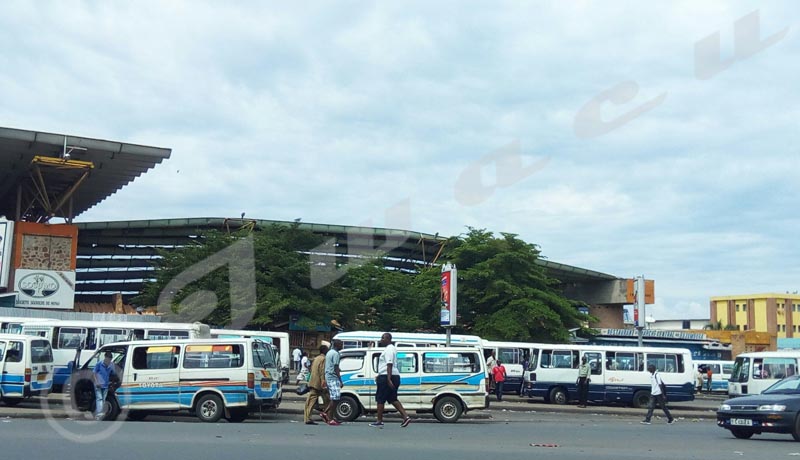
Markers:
point(212, 378)
point(364, 339)
point(26, 367)
point(446, 381)
point(618, 374)
point(66, 336)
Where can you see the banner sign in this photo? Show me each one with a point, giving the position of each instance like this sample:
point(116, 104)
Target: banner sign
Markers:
point(45, 289)
point(6, 238)
point(448, 295)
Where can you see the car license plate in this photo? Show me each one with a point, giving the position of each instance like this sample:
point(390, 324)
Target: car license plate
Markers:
point(41, 377)
point(741, 422)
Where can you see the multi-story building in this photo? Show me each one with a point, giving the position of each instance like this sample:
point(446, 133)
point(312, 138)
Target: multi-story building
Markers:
point(772, 313)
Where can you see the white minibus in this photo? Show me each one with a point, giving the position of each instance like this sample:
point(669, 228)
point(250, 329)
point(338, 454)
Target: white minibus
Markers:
point(26, 367)
point(720, 373)
point(279, 339)
point(755, 372)
point(363, 339)
point(68, 335)
point(618, 373)
point(444, 380)
point(211, 378)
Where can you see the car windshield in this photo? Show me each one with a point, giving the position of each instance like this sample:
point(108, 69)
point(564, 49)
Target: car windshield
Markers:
point(785, 386)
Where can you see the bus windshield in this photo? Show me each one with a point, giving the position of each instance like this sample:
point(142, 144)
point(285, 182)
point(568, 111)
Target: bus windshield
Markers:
point(741, 370)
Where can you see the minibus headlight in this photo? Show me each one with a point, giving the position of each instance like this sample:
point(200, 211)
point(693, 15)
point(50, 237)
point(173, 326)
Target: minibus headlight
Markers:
point(772, 408)
point(725, 407)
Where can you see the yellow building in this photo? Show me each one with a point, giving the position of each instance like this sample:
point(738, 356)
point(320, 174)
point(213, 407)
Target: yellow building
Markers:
point(772, 313)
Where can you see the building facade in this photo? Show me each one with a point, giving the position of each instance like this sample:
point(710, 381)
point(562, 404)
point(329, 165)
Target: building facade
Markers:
point(772, 313)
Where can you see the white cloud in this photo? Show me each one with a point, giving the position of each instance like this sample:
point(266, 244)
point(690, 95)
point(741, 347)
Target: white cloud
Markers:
point(338, 112)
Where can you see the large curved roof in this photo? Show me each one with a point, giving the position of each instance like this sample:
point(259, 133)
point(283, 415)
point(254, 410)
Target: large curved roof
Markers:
point(119, 256)
point(110, 165)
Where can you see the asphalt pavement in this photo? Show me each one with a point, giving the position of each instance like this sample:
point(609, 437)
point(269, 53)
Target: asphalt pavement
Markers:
point(704, 406)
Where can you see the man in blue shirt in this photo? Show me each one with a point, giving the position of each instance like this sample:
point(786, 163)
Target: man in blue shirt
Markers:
point(102, 375)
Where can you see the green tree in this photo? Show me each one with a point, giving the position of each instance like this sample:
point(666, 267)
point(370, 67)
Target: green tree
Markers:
point(504, 295)
point(282, 276)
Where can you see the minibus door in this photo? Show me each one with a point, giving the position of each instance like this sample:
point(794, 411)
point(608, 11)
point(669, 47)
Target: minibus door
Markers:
point(596, 378)
point(152, 378)
point(408, 366)
point(13, 366)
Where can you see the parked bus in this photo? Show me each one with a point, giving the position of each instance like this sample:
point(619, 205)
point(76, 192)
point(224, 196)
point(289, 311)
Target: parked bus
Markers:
point(515, 357)
point(444, 380)
point(26, 367)
point(618, 374)
point(720, 374)
point(68, 335)
point(278, 339)
point(755, 372)
point(364, 339)
point(212, 378)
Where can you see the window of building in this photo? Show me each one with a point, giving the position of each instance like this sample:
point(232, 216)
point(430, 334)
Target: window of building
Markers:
point(783, 327)
point(686, 324)
point(737, 307)
point(745, 327)
point(744, 307)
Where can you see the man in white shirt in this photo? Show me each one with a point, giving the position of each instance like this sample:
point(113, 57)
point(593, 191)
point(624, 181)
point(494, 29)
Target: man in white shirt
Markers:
point(656, 395)
point(297, 354)
point(388, 381)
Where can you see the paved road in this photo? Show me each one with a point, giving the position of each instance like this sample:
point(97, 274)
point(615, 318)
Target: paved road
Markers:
point(508, 434)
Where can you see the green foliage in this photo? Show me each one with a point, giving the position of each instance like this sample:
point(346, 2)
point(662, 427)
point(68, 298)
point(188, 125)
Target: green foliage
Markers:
point(502, 293)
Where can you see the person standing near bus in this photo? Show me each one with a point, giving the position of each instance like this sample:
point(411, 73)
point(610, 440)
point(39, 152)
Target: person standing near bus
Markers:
point(297, 355)
point(709, 373)
point(388, 382)
point(491, 362)
point(583, 381)
point(103, 371)
point(657, 395)
point(499, 374)
point(333, 378)
point(317, 389)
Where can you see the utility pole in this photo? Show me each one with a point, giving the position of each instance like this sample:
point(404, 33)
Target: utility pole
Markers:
point(639, 287)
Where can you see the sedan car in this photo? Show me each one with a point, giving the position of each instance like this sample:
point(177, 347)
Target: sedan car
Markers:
point(775, 410)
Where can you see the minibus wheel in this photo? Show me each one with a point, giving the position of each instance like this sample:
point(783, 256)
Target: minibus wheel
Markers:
point(742, 434)
point(796, 428)
point(11, 401)
point(348, 409)
point(447, 410)
point(558, 396)
point(209, 408)
point(110, 409)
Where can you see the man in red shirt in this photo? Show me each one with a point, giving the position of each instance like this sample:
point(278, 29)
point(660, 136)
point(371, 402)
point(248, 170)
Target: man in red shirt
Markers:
point(499, 374)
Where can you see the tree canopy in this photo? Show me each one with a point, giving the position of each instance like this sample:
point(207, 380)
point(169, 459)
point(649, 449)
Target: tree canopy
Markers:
point(502, 293)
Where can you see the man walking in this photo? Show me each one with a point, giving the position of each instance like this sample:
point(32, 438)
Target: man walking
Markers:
point(102, 375)
point(333, 378)
point(317, 389)
point(388, 382)
point(583, 382)
point(657, 394)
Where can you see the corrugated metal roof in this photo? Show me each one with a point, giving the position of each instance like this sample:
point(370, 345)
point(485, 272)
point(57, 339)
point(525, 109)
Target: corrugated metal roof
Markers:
point(116, 164)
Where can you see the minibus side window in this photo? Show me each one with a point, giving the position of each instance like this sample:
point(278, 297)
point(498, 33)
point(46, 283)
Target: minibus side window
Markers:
point(350, 363)
point(14, 352)
point(2, 350)
point(156, 357)
point(112, 335)
point(442, 362)
point(70, 337)
point(213, 356)
point(595, 360)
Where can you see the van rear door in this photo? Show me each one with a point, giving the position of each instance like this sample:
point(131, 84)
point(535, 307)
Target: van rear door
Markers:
point(14, 369)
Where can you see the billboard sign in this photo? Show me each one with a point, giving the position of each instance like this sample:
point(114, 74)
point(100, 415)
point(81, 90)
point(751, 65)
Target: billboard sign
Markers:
point(6, 237)
point(449, 298)
point(45, 289)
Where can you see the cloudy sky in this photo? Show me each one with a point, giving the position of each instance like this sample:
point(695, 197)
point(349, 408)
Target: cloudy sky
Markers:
point(622, 137)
